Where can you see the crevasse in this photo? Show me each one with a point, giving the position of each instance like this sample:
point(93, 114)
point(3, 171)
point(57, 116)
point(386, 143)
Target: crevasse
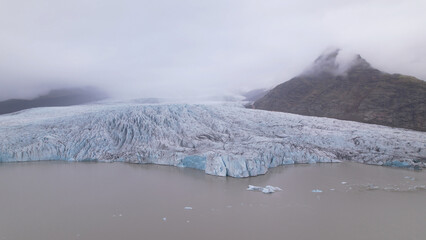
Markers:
point(220, 139)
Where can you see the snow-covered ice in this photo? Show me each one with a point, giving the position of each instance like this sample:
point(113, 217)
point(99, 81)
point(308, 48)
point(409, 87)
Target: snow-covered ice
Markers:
point(220, 139)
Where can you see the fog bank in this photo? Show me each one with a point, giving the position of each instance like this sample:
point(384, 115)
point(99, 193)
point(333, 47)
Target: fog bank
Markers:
point(196, 48)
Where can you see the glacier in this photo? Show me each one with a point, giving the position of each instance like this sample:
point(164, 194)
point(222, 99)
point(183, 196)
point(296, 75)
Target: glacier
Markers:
point(223, 139)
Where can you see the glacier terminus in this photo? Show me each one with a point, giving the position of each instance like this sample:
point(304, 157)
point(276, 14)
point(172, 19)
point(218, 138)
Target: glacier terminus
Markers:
point(223, 139)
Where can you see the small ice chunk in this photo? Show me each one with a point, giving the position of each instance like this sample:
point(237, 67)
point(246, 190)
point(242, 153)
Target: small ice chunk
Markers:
point(120, 215)
point(372, 187)
point(332, 189)
point(266, 189)
point(187, 221)
point(254, 188)
point(187, 208)
point(317, 191)
point(417, 187)
point(343, 182)
point(229, 206)
point(272, 188)
point(392, 189)
point(164, 219)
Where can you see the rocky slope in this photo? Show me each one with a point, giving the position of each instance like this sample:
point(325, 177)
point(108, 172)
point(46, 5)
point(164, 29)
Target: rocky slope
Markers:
point(223, 140)
point(356, 92)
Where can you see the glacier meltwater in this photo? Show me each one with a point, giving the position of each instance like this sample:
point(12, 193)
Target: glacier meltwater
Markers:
point(220, 139)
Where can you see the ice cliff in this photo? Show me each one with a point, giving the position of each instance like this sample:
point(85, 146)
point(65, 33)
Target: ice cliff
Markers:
point(220, 139)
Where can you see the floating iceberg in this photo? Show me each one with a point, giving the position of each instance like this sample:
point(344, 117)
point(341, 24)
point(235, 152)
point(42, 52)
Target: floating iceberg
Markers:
point(317, 191)
point(266, 189)
point(219, 139)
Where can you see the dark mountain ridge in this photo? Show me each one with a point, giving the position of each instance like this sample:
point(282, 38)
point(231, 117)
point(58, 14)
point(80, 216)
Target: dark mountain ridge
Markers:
point(353, 91)
point(57, 97)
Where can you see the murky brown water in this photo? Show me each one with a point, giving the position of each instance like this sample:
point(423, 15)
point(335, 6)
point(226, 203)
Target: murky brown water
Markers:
point(60, 201)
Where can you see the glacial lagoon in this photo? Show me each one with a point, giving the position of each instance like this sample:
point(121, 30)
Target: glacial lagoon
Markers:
point(53, 200)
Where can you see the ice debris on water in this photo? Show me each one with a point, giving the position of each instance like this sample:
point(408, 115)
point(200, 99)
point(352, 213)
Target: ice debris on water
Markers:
point(187, 208)
point(343, 183)
point(267, 189)
point(372, 187)
point(164, 219)
point(317, 191)
point(409, 189)
point(410, 178)
point(417, 187)
point(392, 189)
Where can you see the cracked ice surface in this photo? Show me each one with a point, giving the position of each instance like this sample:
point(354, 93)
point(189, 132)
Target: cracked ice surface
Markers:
point(221, 139)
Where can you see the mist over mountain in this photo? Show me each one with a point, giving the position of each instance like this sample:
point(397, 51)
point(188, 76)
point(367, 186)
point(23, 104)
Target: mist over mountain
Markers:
point(56, 97)
point(255, 94)
point(351, 89)
point(179, 49)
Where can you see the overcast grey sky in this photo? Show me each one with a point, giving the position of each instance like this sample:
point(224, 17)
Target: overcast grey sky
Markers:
point(179, 48)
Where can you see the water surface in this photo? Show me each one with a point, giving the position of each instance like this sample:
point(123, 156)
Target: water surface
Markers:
point(59, 200)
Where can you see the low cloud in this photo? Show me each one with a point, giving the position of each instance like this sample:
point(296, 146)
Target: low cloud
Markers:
point(194, 48)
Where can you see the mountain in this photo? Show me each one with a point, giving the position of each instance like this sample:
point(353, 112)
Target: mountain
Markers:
point(255, 94)
point(351, 90)
point(57, 97)
point(219, 139)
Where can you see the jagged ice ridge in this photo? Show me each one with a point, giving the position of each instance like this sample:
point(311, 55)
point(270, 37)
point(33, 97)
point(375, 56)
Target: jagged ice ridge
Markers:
point(220, 139)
